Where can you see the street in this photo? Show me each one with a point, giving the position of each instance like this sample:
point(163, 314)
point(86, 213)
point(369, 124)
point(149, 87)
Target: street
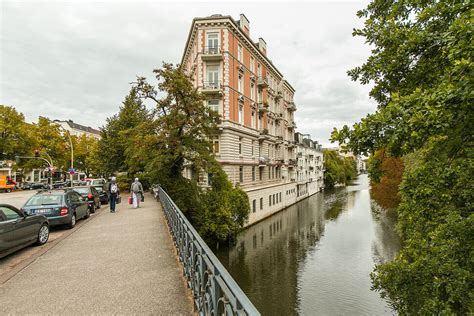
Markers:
point(16, 198)
point(14, 262)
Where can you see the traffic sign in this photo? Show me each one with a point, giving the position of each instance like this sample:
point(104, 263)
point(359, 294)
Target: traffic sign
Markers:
point(72, 170)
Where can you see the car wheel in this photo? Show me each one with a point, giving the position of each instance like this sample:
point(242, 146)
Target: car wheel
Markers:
point(72, 223)
point(43, 235)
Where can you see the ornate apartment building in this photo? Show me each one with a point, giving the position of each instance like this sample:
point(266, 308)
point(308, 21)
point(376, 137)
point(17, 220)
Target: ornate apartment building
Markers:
point(256, 146)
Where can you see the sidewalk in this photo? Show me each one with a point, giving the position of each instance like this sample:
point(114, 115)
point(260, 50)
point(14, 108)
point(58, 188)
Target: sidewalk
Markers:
point(118, 263)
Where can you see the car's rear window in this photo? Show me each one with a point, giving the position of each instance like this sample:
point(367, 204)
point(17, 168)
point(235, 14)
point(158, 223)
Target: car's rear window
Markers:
point(45, 199)
point(82, 190)
point(96, 182)
point(99, 189)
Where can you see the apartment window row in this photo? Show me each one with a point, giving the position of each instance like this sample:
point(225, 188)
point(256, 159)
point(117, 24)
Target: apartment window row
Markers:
point(273, 173)
point(274, 199)
point(291, 191)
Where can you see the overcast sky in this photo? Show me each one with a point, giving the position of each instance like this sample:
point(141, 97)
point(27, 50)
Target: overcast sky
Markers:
point(75, 59)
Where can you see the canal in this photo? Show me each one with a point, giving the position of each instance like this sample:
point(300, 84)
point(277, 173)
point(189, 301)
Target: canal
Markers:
point(315, 257)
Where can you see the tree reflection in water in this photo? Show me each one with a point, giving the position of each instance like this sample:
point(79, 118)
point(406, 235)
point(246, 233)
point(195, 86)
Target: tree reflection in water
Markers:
point(273, 260)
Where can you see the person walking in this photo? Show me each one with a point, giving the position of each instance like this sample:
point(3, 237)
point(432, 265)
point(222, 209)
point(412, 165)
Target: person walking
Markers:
point(136, 190)
point(114, 194)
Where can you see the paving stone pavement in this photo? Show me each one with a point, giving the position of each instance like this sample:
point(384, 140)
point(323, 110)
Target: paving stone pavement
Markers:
point(119, 263)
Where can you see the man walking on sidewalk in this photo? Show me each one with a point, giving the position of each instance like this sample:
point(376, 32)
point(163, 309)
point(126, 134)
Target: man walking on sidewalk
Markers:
point(114, 194)
point(136, 190)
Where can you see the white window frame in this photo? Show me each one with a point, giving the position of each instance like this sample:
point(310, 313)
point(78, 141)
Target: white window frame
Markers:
point(240, 53)
point(241, 113)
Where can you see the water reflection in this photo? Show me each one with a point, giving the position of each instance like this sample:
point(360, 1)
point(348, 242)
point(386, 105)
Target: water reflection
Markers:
point(316, 256)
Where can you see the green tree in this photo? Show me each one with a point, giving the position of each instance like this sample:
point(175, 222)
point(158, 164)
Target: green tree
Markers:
point(84, 149)
point(421, 68)
point(179, 138)
point(117, 134)
point(15, 139)
point(338, 169)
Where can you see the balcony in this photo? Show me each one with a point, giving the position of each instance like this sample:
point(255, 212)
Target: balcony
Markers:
point(291, 163)
point(263, 106)
point(291, 125)
point(291, 106)
point(263, 134)
point(262, 82)
point(212, 88)
point(292, 144)
point(211, 54)
point(263, 161)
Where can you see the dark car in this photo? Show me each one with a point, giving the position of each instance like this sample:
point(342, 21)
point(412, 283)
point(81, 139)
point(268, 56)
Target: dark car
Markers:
point(90, 195)
point(59, 184)
point(34, 186)
point(103, 194)
point(18, 230)
point(59, 206)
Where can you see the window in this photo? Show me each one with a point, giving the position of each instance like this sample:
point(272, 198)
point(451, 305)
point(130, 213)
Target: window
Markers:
point(273, 198)
point(259, 70)
point(240, 145)
point(252, 91)
point(241, 84)
point(261, 203)
point(253, 120)
point(253, 173)
point(241, 174)
point(240, 53)
point(241, 114)
point(270, 200)
point(213, 105)
point(213, 43)
point(7, 214)
point(254, 206)
point(252, 64)
point(213, 75)
point(260, 175)
point(215, 146)
point(252, 148)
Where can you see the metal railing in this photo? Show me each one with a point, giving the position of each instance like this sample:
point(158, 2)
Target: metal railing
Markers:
point(211, 50)
point(214, 290)
point(211, 85)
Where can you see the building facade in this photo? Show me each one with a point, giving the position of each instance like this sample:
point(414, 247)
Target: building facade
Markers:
point(256, 145)
point(78, 129)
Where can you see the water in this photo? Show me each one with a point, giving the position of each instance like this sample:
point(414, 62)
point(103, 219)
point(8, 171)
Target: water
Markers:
point(315, 257)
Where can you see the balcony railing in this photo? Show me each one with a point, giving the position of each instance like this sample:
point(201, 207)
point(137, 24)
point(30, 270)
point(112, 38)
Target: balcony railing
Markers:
point(211, 87)
point(263, 161)
point(214, 290)
point(291, 106)
point(211, 53)
point(262, 81)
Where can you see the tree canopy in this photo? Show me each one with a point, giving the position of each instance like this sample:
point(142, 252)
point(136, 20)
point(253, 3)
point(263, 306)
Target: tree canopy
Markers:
point(421, 70)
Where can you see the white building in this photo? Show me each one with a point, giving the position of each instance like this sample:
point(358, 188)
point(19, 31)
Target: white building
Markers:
point(78, 129)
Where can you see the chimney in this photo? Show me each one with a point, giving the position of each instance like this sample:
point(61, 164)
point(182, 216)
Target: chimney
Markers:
point(244, 24)
point(262, 45)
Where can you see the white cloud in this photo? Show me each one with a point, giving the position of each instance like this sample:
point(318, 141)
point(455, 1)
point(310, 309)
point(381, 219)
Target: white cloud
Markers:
point(75, 59)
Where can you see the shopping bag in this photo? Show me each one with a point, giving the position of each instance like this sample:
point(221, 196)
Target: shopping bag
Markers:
point(130, 200)
point(143, 198)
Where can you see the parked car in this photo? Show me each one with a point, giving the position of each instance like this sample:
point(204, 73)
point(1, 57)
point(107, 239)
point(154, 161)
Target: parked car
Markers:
point(18, 229)
point(103, 194)
point(90, 195)
point(33, 186)
point(97, 182)
point(59, 206)
point(59, 184)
